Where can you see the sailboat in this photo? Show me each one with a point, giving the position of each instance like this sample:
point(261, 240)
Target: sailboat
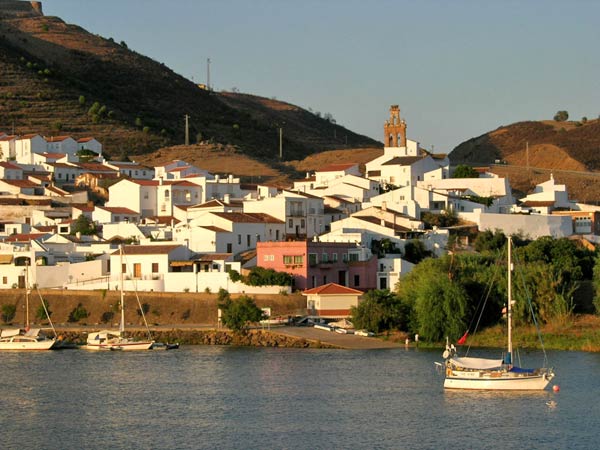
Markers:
point(116, 340)
point(494, 374)
point(28, 338)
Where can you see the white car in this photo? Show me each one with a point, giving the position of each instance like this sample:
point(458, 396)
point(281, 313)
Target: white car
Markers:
point(364, 333)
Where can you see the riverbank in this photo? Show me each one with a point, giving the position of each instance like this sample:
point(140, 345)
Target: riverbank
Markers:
point(579, 333)
point(254, 338)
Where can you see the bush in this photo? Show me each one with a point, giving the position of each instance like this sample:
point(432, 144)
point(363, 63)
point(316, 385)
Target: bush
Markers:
point(8, 312)
point(40, 314)
point(144, 310)
point(238, 314)
point(77, 314)
point(107, 317)
point(561, 116)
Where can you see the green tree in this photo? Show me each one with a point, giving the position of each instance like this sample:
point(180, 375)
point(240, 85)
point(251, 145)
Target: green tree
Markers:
point(380, 310)
point(561, 116)
point(439, 305)
point(93, 111)
point(488, 241)
point(83, 225)
point(138, 122)
point(465, 171)
point(415, 251)
point(238, 314)
point(81, 100)
point(596, 282)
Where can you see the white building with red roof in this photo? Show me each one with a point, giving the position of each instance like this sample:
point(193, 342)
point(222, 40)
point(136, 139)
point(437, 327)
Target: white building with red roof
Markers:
point(7, 146)
point(107, 214)
point(131, 169)
point(89, 143)
point(10, 171)
point(331, 300)
point(151, 198)
point(61, 144)
point(27, 145)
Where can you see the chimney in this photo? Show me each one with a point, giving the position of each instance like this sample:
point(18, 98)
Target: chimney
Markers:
point(231, 178)
point(382, 222)
point(384, 206)
point(226, 198)
point(160, 181)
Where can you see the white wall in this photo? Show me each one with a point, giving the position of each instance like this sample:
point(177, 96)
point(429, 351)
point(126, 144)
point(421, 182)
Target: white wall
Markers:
point(532, 226)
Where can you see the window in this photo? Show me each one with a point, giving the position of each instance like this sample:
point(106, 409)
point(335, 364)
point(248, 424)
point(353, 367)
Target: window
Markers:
point(345, 257)
point(356, 280)
point(276, 235)
point(324, 279)
point(291, 223)
point(248, 240)
point(229, 247)
point(302, 223)
point(324, 258)
point(166, 195)
point(146, 195)
point(287, 259)
point(4, 280)
point(116, 218)
point(154, 267)
point(123, 268)
point(239, 239)
point(298, 259)
point(266, 257)
point(312, 259)
point(334, 257)
point(353, 256)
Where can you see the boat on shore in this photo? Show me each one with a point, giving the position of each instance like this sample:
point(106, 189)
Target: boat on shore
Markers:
point(494, 374)
point(116, 340)
point(27, 338)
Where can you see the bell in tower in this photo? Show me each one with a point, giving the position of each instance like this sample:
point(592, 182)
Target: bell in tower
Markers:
point(394, 129)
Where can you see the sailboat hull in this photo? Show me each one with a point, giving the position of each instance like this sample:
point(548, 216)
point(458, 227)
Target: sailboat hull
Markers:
point(125, 346)
point(21, 344)
point(495, 381)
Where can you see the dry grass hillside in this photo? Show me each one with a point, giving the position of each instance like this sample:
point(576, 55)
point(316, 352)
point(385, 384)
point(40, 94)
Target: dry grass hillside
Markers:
point(220, 159)
point(47, 66)
point(568, 150)
point(575, 145)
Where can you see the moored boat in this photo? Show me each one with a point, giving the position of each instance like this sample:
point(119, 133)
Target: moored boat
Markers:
point(494, 374)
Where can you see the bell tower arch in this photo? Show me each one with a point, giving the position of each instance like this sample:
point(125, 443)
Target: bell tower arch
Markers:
point(394, 129)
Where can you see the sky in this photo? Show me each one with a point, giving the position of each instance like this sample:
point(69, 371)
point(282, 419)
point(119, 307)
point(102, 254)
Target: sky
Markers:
point(456, 68)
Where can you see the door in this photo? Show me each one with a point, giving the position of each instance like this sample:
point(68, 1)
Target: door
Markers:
point(137, 270)
point(342, 277)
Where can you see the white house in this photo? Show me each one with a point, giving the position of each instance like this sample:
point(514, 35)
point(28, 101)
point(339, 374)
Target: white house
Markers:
point(28, 144)
point(303, 213)
point(153, 197)
point(107, 214)
point(178, 169)
point(9, 171)
point(61, 144)
point(331, 300)
point(89, 143)
point(131, 169)
point(7, 147)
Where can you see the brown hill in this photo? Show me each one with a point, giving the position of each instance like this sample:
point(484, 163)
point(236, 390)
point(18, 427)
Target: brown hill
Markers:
point(568, 145)
point(52, 73)
point(569, 150)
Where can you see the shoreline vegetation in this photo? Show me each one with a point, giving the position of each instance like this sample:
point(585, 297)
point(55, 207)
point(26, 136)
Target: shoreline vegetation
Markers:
point(580, 333)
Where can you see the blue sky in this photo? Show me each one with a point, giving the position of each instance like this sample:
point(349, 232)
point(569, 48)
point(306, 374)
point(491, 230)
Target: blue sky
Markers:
point(457, 68)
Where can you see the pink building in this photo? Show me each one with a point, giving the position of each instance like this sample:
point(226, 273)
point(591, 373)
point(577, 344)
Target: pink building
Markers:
point(313, 264)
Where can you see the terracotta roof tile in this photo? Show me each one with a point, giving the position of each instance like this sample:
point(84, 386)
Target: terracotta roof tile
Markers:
point(332, 289)
point(147, 249)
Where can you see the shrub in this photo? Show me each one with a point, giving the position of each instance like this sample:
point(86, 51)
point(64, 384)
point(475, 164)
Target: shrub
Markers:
point(8, 312)
point(77, 314)
point(107, 317)
point(40, 314)
point(144, 310)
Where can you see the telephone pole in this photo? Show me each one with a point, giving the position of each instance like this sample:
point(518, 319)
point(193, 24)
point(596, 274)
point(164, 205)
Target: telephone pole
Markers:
point(280, 143)
point(187, 130)
point(208, 74)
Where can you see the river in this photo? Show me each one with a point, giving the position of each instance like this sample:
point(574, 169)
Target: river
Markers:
point(208, 397)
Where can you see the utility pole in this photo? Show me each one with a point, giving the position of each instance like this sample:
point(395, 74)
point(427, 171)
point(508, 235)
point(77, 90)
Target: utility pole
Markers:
point(208, 74)
point(280, 143)
point(187, 130)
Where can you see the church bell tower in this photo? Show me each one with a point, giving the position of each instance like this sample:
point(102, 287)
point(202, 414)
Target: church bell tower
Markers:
point(394, 129)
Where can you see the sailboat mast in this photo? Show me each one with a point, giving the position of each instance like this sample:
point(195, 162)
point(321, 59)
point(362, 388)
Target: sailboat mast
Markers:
point(27, 295)
point(122, 324)
point(509, 306)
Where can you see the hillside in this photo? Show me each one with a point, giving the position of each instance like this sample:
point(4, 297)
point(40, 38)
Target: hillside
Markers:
point(52, 73)
point(566, 145)
point(568, 150)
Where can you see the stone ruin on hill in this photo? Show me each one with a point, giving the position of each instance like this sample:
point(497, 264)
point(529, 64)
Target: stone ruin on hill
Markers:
point(16, 8)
